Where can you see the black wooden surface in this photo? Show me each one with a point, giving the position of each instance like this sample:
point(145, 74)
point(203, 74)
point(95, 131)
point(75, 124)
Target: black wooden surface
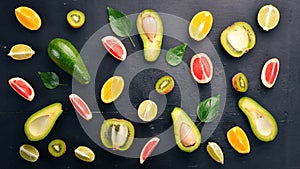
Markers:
point(282, 100)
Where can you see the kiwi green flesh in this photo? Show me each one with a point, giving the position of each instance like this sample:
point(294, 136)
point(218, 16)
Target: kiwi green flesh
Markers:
point(240, 82)
point(164, 85)
point(57, 147)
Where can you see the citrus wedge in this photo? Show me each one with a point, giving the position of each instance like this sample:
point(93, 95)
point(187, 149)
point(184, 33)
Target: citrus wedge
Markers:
point(215, 152)
point(200, 25)
point(84, 153)
point(148, 149)
point(268, 17)
point(80, 106)
point(201, 68)
point(147, 110)
point(28, 18)
point(115, 47)
point(21, 52)
point(112, 89)
point(22, 87)
point(238, 139)
point(270, 72)
point(29, 153)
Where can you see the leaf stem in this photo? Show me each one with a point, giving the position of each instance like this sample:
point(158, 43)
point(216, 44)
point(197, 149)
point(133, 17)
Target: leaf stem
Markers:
point(131, 41)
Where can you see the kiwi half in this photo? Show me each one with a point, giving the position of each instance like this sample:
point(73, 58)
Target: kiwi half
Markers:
point(164, 85)
point(57, 147)
point(240, 82)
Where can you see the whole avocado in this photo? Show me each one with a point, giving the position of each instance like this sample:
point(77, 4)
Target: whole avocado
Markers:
point(66, 56)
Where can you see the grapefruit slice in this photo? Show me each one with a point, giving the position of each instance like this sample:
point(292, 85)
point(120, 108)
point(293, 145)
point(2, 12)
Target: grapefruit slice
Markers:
point(270, 72)
point(22, 87)
point(115, 47)
point(148, 149)
point(81, 107)
point(201, 68)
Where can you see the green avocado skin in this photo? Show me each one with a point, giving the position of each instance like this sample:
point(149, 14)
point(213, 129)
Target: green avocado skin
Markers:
point(66, 56)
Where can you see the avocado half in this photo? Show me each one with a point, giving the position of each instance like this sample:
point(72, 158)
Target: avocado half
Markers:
point(187, 135)
point(150, 28)
point(238, 38)
point(39, 124)
point(263, 124)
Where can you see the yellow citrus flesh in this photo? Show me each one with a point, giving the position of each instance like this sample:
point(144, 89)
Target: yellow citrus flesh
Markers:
point(84, 153)
point(28, 18)
point(215, 152)
point(21, 52)
point(268, 17)
point(147, 110)
point(200, 25)
point(238, 140)
point(112, 89)
point(29, 153)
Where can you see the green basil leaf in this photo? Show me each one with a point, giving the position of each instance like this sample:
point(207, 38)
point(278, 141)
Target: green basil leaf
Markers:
point(120, 24)
point(175, 55)
point(50, 79)
point(208, 109)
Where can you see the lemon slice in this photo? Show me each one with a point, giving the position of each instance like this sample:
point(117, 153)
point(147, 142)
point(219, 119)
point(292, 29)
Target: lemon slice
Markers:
point(21, 52)
point(29, 153)
point(112, 89)
point(147, 110)
point(268, 17)
point(200, 25)
point(84, 153)
point(215, 152)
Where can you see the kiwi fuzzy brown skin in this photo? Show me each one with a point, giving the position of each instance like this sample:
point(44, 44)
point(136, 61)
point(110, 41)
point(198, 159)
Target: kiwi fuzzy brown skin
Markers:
point(237, 84)
point(57, 147)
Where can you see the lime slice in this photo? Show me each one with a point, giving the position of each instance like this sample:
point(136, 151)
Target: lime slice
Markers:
point(84, 153)
point(268, 17)
point(21, 52)
point(215, 152)
point(29, 153)
point(147, 110)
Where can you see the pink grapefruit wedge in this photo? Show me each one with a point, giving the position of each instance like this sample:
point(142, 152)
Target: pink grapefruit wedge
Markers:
point(270, 72)
point(115, 47)
point(148, 149)
point(22, 87)
point(80, 106)
point(201, 68)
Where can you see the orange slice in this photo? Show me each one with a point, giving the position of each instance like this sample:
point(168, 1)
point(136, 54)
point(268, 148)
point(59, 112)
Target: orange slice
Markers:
point(200, 25)
point(112, 89)
point(238, 139)
point(28, 18)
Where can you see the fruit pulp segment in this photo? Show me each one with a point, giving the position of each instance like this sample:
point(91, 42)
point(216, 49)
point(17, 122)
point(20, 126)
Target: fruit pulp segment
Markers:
point(201, 24)
point(81, 107)
point(201, 68)
point(21, 88)
point(149, 148)
point(271, 72)
point(28, 17)
point(239, 140)
point(114, 48)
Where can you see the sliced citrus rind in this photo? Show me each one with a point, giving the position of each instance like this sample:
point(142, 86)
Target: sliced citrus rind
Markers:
point(238, 139)
point(28, 18)
point(201, 68)
point(147, 110)
point(112, 89)
point(200, 25)
point(22, 87)
point(148, 149)
point(29, 153)
point(80, 106)
point(84, 153)
point(270, 72)
point(115, 47)
point(21, 52)
point(268, 17)
point(215, 152)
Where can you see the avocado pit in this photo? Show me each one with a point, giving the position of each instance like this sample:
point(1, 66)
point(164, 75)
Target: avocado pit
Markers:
point(149, 26)
point(187, 135)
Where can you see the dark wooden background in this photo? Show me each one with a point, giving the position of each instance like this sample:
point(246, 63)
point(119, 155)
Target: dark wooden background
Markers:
point(282, 100)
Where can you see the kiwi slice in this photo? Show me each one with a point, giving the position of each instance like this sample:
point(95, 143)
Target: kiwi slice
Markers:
point(240, 82)
point(76, 18)
point(164, 85)
point(57, 147)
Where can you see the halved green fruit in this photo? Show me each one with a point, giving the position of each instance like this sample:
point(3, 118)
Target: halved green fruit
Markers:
point(240, 82)
point(262, 123)
point(187, 135)
point(29, 153)
point(117, 134)
point(57, 147)
point(238, 39)
point(75, 18)
point(164, 85)
point(39, 124)
point(150, 28)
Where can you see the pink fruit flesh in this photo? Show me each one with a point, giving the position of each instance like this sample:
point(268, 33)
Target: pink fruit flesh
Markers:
point(80, 106)
point(22, 88)
point(271, 72)
point(148, 149)
point(201, 68)
point(115, 47)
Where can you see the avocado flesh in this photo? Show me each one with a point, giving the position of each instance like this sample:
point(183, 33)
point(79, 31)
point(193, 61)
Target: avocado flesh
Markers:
point(39, 124)
point(150, 28)
point(187, 135)
point(262, 123)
